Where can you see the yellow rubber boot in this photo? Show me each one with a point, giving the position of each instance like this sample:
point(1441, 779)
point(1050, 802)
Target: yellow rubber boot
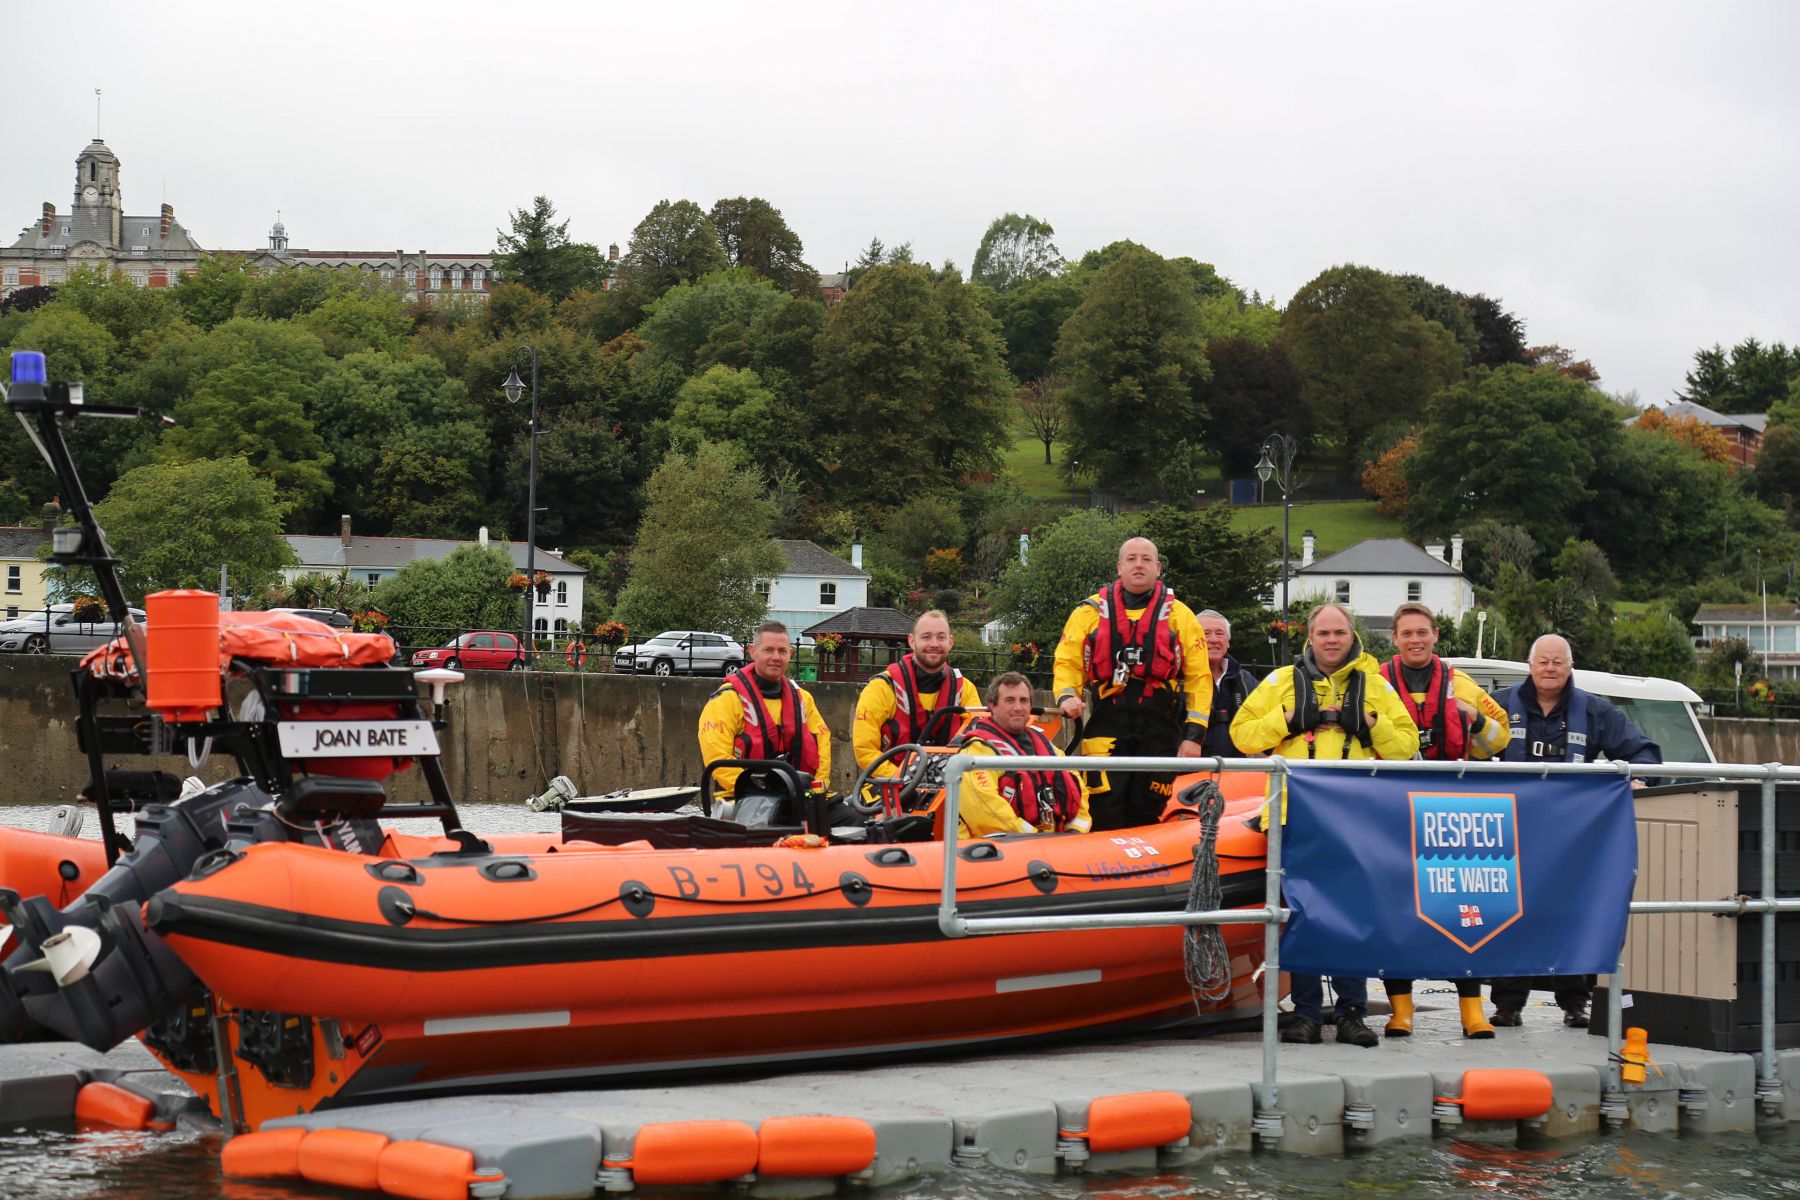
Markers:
point(1474, 1024)
point(1400, 1023)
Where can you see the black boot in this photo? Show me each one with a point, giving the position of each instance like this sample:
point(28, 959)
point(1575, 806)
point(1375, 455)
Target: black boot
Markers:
point(1352, 1031)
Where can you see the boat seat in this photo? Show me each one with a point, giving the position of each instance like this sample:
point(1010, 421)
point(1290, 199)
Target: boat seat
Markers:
point(319, 796)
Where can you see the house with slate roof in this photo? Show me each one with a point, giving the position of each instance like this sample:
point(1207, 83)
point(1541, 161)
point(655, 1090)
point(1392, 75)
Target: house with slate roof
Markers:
point(1376, 576)
point(1772, 632)
point(1743, 430)
point(813, 585)
point(26, 575)
point(369, 560)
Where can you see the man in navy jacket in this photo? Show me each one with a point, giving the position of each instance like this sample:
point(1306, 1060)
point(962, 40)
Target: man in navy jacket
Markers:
point(1554, 721)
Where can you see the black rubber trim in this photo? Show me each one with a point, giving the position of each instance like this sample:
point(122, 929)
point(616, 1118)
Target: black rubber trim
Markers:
point(366, 944)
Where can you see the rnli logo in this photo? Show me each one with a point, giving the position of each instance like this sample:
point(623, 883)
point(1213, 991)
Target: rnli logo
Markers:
point(1466, 865)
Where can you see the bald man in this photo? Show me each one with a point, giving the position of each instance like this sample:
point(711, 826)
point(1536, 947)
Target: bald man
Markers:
point(1552, 720)
point(1132, 662)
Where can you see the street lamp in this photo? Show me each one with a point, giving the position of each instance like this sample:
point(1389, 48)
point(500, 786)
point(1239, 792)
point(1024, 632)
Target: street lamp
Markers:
point(1074, 484)
point(513, 387)
point(1277, 463)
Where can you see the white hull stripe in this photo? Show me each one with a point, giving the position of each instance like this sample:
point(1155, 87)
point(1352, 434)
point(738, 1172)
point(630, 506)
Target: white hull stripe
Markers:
point(1032, 983)
point(498, 1023)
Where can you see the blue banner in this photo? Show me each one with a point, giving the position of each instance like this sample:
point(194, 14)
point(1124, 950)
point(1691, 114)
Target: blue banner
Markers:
point(1412, 875)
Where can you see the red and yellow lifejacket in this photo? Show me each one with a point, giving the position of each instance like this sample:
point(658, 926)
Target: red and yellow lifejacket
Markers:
point(1030, 793)
point(1122, 652)
point(910, 717)
point(789, 739)
point(1443, 734)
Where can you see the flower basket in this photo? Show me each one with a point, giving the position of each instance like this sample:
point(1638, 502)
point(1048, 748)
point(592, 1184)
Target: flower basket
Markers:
point(518, 581)
point(1025, 655)
point(369, 621)
point(827, 644)
point(88, 608)
point(541, 581)
point(610, 633)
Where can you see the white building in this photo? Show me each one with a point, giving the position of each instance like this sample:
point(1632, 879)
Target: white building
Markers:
point(816, 584)
point(369, 560)
point(1772, 632)
point(1374, 577)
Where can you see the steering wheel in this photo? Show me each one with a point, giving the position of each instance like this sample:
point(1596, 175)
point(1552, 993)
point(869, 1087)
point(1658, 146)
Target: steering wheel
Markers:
point(906, 785)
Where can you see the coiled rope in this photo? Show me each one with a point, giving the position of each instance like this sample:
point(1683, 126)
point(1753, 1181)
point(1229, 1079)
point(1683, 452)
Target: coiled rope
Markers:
point(1203, 954)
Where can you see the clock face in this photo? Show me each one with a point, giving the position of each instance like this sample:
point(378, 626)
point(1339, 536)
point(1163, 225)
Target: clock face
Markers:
point(89, 192)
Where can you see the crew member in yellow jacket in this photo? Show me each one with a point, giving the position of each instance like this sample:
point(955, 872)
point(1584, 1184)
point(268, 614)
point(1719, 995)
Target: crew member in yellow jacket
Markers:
point(1141, 655)
point(1017, 801)
point(1342, 708)
point(760, 713)
point(899, 705)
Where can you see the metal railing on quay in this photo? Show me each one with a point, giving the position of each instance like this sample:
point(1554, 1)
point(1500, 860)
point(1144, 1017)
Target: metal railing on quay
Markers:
point(1271, 915)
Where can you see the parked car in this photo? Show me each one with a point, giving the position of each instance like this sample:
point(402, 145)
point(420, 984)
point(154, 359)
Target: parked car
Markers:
point(681, 652)
point(489, 650)
point(329, 616)
point(1666, 711)
point(61, 633)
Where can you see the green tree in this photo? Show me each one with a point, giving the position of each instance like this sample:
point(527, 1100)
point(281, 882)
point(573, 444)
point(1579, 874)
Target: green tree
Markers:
point(1489, 545)
point(916, 528)
point(1512, 445)
point(174, 524)
point(1137, 374)
point(183, 359)
point(1015, 249)
point(704, 542)
point(539, 254)
point(726, 406)
point(1777, 476)
point(1654, 642)
point(911, 390)
point(1031, 316)
point(349, 323)
point(1366, 357)
point(1255, 392)
point(1068, 562)
point(753, 234)
point(1435, 302)
point(465, 590)
point(675, 243)
point(1499, 336)
point(283, 293)
point(1231, 316)
point(210, 294)
point(255, 413)
point(694, 321)
point(419, 489)
point(109, 298)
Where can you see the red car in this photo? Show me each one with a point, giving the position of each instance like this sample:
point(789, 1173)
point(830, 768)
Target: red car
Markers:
point(486, 651)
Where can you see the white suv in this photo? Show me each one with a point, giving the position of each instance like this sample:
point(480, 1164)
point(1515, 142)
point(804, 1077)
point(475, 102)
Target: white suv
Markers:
point(681, 652)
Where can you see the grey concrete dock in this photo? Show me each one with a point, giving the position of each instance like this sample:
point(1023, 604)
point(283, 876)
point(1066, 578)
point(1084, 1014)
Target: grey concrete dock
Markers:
point(1054, 1110)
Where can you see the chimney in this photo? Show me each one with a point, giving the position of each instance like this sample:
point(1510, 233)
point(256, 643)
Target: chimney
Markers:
point(1435, 548)
point(1456, 551)
point(168, 220)
point(1024, 547)
point(612, 252)
point(1307, 543)
point(481, 537)
point(49, 218)
point(344, 530)
point(52, 514)
point(856, 555)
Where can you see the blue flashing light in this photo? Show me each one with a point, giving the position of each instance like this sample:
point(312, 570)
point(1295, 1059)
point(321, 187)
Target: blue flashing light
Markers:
point(28, 367)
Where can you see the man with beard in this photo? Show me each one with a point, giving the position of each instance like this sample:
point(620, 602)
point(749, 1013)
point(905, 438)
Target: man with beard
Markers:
point(898, 705)
point(1141, 656)
point(1332, 703)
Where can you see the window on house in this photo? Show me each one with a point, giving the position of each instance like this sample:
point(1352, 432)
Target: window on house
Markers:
point(542, 625)
point(1415, 591)
point(1785, 636)
point(1342, 591)
point(14, 578)
point(562, 592)
point(827, 595)
point(762, 590)
point(373, 578)
point(12, 277)
point(12, 611)
point(562, 626)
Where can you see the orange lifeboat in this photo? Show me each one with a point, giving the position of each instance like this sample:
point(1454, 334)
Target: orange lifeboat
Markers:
point(451, 971)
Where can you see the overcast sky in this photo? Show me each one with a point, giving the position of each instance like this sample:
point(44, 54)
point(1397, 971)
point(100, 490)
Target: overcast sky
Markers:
point(1621, 176)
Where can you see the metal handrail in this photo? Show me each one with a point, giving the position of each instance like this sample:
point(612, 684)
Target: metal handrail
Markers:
point(1272, 915)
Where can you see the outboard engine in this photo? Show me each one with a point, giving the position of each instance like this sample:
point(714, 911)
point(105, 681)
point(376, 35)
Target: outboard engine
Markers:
point(92, 972)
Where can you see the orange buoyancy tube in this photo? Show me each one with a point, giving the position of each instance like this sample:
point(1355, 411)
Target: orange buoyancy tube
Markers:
point(450, 973)
point(53, 865)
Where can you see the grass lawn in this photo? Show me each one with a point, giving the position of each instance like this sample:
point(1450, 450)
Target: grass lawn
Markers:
point(1338, 524)
point(1025, 461)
